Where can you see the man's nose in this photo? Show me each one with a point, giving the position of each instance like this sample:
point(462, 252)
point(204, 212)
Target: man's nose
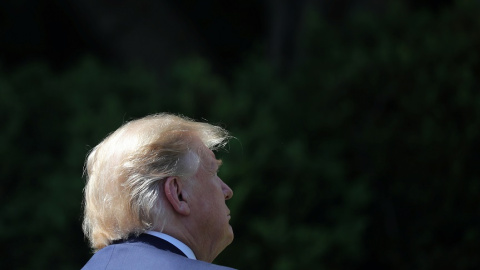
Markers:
point(227, 191)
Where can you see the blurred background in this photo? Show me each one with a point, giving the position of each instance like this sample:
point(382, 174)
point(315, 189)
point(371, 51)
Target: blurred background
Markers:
point(357, 122)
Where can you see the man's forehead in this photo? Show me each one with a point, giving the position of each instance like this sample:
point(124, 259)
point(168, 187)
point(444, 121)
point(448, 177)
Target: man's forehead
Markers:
point(208, 155)
point(211, 161)
point(214, 162)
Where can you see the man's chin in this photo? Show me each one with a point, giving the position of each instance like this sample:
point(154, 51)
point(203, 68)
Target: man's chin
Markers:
point(231, 234)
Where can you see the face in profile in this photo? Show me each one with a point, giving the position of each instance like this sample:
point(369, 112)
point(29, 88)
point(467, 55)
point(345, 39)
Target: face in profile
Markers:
point(208, 197)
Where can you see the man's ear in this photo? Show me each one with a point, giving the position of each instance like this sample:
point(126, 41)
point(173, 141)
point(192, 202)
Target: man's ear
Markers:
point(175, 194)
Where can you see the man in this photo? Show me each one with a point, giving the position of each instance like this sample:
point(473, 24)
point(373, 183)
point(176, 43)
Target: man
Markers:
point(153, 199)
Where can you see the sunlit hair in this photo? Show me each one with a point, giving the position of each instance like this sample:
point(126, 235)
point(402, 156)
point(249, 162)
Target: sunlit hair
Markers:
point(124, 173)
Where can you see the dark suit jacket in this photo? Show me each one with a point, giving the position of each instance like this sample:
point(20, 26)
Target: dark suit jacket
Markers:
point(145, 252)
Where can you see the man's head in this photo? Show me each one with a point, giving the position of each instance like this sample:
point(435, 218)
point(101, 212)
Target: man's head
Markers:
point(159, 173)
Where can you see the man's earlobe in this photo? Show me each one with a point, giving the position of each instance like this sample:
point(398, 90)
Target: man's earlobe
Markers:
point(174, 193)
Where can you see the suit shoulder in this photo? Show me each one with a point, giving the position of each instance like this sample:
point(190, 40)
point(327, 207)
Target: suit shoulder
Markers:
point(100, 259)
point(200, 265)
point(141, 256)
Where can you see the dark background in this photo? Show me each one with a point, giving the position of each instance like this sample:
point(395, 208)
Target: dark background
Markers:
point(357, 123)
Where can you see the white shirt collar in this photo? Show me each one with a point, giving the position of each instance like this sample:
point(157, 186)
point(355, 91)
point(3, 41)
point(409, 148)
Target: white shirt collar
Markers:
point(184, 248)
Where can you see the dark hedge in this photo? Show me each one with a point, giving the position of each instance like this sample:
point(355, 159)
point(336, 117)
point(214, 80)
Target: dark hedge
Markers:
point(364, 156)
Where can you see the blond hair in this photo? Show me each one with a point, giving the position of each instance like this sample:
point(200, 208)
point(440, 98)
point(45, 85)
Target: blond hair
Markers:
point(124, 173)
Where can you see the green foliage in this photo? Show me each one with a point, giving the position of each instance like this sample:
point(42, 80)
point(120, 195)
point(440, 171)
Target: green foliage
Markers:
point(365, 156)
point(49, 122)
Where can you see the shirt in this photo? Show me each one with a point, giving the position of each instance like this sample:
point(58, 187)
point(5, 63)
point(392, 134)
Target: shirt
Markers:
point(184, 248)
